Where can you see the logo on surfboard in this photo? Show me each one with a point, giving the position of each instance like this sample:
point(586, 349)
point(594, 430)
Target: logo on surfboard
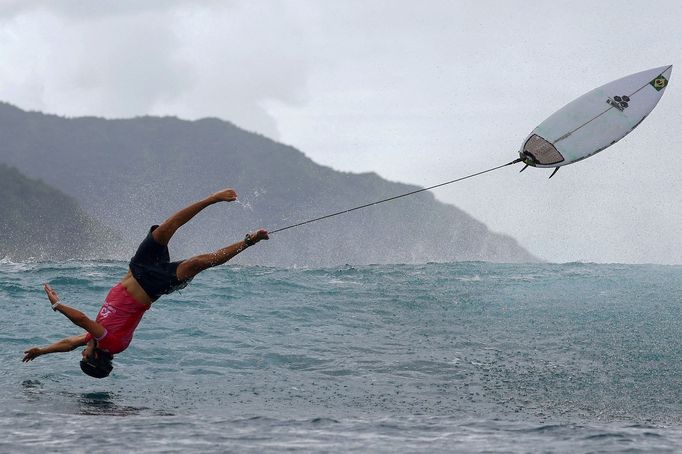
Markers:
point(619, 102)
point(659, 83)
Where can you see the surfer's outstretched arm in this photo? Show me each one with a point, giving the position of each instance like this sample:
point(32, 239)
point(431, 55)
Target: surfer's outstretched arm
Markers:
point(77, 317)
point(165, 231)
point(193, 266)
point(65, 345)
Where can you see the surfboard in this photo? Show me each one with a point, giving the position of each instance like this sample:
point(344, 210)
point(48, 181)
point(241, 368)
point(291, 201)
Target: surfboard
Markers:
point(596, 120)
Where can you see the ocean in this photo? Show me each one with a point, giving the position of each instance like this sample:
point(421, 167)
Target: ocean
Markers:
point(439, 357)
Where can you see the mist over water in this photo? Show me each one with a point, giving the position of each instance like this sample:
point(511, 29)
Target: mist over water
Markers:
point(574, 357)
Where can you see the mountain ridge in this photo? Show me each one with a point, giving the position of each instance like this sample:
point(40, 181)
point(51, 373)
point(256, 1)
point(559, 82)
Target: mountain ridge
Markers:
point(131, 173)
point(39, 222)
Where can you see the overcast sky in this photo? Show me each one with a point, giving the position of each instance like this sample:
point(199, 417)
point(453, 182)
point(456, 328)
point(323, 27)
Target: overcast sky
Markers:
point(418, 92)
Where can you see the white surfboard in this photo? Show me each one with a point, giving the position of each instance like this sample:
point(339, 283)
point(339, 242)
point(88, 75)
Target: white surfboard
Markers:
point(596, 120)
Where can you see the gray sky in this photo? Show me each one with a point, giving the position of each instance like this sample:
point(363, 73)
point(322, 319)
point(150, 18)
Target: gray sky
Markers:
point(419, 92)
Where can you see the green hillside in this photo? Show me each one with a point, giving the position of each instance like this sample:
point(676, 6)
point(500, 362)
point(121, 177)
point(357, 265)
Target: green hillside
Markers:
point(129, 174)
point(40, 222)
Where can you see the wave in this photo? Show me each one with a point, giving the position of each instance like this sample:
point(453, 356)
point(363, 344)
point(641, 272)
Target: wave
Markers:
point(542, 343)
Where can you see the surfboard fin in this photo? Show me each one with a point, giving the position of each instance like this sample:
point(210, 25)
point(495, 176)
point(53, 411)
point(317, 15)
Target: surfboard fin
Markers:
point(524, 168)
point(556, 169)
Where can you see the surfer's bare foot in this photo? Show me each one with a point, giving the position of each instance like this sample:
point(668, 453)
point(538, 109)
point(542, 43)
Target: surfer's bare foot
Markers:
point(261, 234)
point(226, 195)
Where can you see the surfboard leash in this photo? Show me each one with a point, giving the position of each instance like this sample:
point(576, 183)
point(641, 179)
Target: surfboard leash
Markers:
point(393, 198)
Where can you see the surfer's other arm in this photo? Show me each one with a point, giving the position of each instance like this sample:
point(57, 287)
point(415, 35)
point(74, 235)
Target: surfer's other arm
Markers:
point(65, 345)
point(77, 317)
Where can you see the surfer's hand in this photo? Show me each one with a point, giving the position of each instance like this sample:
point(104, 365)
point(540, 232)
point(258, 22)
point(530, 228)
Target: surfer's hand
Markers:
point(226, 195)
point(51, 294)
point(31, 354)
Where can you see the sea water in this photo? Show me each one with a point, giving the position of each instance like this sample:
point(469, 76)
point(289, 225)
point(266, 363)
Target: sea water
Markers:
point(465, 357)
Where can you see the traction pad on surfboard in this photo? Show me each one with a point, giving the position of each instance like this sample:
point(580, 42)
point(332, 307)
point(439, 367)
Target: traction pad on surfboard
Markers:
point(541, 151)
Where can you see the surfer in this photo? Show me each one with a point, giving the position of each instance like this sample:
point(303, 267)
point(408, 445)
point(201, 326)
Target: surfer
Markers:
point(150, 275)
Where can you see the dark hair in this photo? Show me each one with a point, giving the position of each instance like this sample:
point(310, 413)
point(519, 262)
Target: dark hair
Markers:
point(98, 364)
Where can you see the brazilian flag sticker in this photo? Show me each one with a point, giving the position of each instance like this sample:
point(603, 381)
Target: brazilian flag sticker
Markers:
point(659, 83)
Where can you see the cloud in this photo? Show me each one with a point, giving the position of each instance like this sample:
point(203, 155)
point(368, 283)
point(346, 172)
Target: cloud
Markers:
point(89, 9)
point(116, 66)
point(243, 58)
point(129, 58)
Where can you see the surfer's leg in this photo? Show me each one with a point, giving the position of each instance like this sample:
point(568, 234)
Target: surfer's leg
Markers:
point(195, 265)
point(165, 231)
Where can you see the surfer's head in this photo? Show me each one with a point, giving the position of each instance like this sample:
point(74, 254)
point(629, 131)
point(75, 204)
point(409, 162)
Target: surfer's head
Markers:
point(96, 363)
